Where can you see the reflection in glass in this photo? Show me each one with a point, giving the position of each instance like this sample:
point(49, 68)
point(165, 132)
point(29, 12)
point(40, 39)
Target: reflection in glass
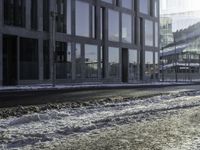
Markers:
point(133, 65)
point(144, 6)
point(108, 1)
point(28, 59)
point(78, 61)
point(82, 19)
point(91, 61)
point(156, 34)
point(63, 60)
point(126, 28)
point(149, 67)
point(156, 66)
point(156, 11)
point(113, 25)
point(46, 59)
point(127, 4)
point(69, 16)
point(61, 16)
point(148, 33)
point(113, 62)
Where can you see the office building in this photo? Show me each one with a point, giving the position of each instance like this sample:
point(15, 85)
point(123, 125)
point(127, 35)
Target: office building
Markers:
point(78, 41)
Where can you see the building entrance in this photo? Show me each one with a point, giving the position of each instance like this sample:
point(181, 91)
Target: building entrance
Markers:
point(9, 60)
point(125, 65)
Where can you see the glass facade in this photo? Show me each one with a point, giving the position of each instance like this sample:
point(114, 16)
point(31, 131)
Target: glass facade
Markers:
point(108, 1)
point(126, 28)
point(14, 12)
point(156, 65)
point(78, 60)
point(113, 25)
point(82, 19)
point(69, 10)
point(28, 59)
point(156, 34)
point(113, 62)
point(149, 33)
point(133, 65)
point(63, 60)
point(94, 40)
point(91, 61)
point(46, 60)
point(156, 10)
point(61, 16)
point(46, 15)
point(34, 17)
point(144, 6)
point(127, 3)
point(149, 65)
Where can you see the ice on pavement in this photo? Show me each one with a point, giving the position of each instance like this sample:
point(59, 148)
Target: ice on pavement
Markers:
point(51, 125)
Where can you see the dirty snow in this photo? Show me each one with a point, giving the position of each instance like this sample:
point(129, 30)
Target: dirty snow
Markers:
point(45, 129)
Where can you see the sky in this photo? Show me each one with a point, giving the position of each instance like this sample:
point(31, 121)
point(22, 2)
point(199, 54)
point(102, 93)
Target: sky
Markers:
point(175, 6)
point(183, 13)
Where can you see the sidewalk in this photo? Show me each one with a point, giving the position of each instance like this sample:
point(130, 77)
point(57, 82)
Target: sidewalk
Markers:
point(85, 86)
point(45, 94)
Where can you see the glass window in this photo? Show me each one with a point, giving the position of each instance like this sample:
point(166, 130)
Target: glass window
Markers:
point(113, 25)
point(156, 11)
point(34, 17)
point(91, 61)
point(69, 16)
point(156, 34)
point(108, 1)
point(144, 6)
point(133, 65)
point(78, 61)
point(113, 62)
point(14, 12)
point(46, 59)
point(63, 60)
point(28, 59)
point(156, 65)
point(61, 16)
point(82, 19)
point(102, 22)
point(148, 33)
point(93, 22)
point(149, 67)
point(46, 15)
point(126, 28)
point(127, 4)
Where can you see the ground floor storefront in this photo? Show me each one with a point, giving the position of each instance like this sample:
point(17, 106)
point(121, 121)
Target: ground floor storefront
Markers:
point(28, 61)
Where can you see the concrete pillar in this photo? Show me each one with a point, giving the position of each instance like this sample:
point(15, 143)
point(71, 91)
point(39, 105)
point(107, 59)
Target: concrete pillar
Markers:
point(52, 4)
point(28, 14)
point(73, 44)
point(1, 42)
point(40, 52)
point(40, 15)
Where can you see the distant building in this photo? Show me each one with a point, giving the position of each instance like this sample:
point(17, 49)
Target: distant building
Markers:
point(111, 41)
point(180, 60)
point(166, 34)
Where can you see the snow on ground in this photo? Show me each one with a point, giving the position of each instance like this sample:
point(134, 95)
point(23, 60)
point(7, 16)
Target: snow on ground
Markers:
point(52, 126)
